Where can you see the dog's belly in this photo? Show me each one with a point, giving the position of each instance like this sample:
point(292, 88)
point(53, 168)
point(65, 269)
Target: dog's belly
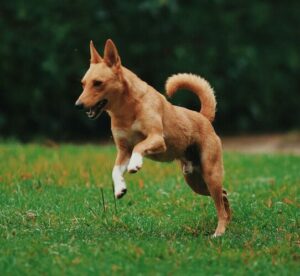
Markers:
point(171, 154)
point(161, 157)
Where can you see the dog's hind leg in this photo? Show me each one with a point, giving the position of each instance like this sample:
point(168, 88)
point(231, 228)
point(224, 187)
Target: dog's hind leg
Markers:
point(196, 182)
point(194, 179)
point(192, 170)
point(212, 171)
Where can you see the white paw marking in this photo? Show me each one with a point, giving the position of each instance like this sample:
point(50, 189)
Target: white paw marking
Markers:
point(118, 179)
point(187, 168)
point(135, 163)
point(217, 234)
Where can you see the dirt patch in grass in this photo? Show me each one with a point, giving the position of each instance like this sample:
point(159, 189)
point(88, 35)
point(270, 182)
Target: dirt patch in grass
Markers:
point(266, 143)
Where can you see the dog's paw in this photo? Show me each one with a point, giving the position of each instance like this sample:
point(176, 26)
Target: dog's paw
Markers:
point(135, 163)
point(219, 232)
point(216, 235)
point(121, 193)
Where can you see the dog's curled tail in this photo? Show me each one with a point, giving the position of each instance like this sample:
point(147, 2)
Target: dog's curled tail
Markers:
point(197, 85)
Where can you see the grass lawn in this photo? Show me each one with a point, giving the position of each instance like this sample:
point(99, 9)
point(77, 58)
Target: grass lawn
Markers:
point(53, 220)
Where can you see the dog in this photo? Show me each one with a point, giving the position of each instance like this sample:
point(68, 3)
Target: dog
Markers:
point(145, 124)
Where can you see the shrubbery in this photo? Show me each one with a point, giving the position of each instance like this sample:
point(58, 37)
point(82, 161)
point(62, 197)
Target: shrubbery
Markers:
point(249, 51)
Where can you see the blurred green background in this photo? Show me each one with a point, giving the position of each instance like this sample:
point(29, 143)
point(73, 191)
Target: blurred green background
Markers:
point(248, 50)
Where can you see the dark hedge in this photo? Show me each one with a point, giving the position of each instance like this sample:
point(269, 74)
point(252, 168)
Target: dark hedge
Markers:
point(248, 50)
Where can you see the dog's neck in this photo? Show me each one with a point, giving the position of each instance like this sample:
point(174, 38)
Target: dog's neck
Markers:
point(131, 98)
point(136, 87)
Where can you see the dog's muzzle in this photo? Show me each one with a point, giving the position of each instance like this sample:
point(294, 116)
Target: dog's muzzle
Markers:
point(95, 111)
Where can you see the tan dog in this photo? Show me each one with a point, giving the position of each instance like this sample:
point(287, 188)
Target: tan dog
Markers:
point(145, 124)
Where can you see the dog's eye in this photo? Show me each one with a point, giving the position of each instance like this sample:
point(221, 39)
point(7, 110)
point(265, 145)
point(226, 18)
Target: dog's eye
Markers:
point(97, 83)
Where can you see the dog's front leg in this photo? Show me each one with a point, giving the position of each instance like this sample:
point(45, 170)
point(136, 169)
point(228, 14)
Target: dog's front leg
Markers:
point(153, 144)
point(119, 169)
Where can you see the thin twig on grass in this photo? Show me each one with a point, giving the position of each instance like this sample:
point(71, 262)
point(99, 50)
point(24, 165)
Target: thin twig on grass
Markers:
point(103, 201)
point(115, 202)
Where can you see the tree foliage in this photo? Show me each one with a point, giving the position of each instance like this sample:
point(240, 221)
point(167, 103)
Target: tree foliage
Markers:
point(248, 51)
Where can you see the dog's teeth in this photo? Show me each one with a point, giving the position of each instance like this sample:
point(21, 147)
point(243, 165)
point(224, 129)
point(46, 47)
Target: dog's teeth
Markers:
point(90, 113)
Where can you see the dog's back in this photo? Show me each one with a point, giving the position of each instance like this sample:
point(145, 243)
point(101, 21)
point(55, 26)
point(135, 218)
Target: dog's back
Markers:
point(181, 127)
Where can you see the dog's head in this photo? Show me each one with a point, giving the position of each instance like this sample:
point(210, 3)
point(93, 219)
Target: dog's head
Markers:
point(102, 83)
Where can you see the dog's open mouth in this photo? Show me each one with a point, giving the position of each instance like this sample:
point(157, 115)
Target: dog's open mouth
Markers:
point(95, 111)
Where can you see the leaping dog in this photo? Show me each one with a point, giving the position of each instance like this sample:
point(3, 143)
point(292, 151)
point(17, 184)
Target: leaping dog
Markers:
point(145, 124)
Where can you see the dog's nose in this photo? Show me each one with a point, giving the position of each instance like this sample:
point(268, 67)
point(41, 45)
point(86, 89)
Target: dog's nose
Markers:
point(79, 105)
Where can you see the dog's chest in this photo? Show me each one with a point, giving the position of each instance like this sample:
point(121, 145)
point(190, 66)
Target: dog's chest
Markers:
point(132, 134)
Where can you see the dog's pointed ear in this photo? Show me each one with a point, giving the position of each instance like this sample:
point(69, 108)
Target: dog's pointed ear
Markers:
point(111, 56)
point(95, 57)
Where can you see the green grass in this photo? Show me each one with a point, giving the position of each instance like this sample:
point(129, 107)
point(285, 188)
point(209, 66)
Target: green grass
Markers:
point(52, 218)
